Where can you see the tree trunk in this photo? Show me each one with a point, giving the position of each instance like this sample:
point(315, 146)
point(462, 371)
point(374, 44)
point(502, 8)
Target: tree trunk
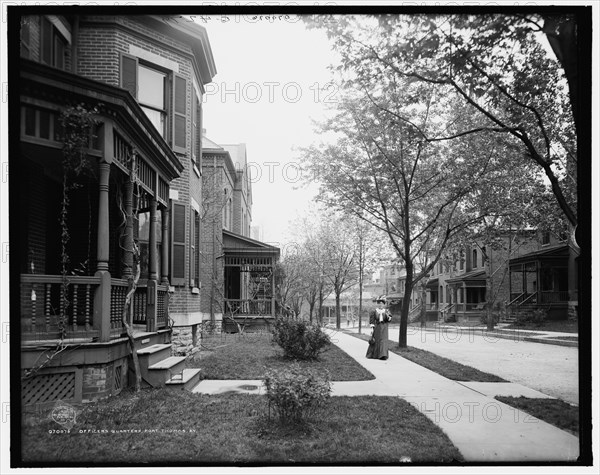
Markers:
point(489, 289)
point(402, 340)
point(133, 281)
point(360, 294)
point(338, 316)
point(423, 308)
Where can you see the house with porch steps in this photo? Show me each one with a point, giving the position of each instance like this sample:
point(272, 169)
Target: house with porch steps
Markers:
point(237, 271)
point(529, 272)
point(141, 79)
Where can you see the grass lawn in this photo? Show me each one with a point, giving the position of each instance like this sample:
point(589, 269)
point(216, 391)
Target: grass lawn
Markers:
point(248, 356)
point(181, 427)
point(553, 411)
point(443, 366)
point(567, 326)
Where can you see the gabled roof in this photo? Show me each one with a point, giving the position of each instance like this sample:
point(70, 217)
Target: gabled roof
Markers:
point(210, 145)
point(236, 243)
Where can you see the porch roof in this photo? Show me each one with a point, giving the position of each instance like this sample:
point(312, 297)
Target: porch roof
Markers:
point(394, 298)
point(470, 279)
point(432, 283)
point(62, 87)
point(552, 252)
point(236, 244)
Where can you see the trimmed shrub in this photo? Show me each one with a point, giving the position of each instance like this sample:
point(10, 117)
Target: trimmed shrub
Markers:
point(535, 317)
point(300, 340)
point(296, 393)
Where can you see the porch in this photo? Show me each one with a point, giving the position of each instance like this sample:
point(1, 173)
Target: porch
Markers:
point(249, 300)
point(540, 280)
point(468, 294)
point(80, 249)
point(117, 213)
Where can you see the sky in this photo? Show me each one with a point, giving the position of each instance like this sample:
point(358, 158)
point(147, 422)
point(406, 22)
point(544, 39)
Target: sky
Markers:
point(272, 80)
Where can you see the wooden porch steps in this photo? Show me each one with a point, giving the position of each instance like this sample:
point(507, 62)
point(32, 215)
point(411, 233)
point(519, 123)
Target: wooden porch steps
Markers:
point(160, 369)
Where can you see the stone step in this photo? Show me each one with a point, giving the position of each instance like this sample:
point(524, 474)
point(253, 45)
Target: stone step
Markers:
point(153, 354)
point(187, 380)
point(159, 373)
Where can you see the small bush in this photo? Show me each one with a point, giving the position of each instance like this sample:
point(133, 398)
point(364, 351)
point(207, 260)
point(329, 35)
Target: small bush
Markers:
point(536, 317)
point(300, 340)
point(297, 393)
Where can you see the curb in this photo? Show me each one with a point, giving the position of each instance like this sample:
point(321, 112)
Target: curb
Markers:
point(520, 336)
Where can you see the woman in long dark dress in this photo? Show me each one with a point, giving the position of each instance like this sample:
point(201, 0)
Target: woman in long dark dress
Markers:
point(378, 320)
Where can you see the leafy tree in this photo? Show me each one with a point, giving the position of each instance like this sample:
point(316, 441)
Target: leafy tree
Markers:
point(383, 172)
point(496, 64)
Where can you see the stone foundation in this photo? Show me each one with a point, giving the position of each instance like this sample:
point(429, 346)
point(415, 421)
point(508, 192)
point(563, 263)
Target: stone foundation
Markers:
point(186, 339)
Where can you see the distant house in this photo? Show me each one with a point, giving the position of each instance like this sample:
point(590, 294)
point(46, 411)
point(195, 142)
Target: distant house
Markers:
point(143, 78)
point(529, 271)
point(237, 271)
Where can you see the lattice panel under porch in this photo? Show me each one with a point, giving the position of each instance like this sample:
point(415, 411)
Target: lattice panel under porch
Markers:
point(48, 387)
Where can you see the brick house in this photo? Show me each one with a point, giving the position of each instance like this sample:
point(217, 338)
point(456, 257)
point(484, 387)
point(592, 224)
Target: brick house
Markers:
point(528, 271)
point(237, 271)
point(142, 77)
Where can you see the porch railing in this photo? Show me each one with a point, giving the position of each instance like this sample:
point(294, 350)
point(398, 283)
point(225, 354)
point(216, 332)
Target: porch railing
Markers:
point(42, 306)
point(553, 296)
point(470, 307)
point(248, 307)
point(118, 295)
point(522, 299)
point(141, 305)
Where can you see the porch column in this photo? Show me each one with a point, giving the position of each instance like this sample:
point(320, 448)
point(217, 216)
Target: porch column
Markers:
point(127, 267)
point(164, 264)
point(102, 295)
point(152, 295)
point(152, 251)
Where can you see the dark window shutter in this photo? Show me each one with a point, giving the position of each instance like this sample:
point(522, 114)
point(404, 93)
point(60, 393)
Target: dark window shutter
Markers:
point(179, 114)
point(178, 255)
point(194, 126)
point(46, 50)
point(129, 74)
point(197, 242)
point(193, 250)
point(198, 142)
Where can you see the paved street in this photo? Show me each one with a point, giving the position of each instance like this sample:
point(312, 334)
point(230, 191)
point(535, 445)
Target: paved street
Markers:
point(550, 369)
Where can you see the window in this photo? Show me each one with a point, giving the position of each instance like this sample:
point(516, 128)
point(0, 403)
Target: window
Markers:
point(545, 238)
point(25, 37)
point(152, 96)
point(474, 258)
point(462, 260)
point(45, 124)
point(156, 89)
point(53, 45)
point(196, 132)
point(143, 236)
point(225, 210)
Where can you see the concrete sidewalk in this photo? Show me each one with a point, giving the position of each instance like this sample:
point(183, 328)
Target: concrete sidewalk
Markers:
point(482, 428)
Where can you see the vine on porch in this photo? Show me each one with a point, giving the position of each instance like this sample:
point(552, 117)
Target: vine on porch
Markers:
point(77, 124)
